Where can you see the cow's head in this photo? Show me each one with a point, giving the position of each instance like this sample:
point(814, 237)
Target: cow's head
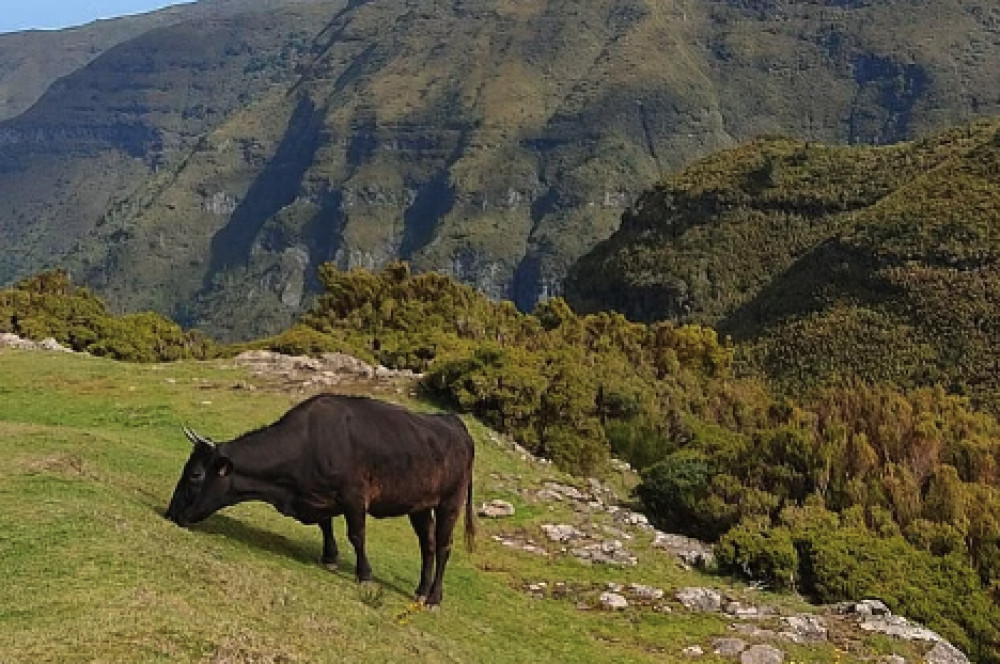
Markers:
point(205, 485)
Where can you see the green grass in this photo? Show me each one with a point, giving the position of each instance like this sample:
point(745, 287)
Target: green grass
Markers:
point(89, 453)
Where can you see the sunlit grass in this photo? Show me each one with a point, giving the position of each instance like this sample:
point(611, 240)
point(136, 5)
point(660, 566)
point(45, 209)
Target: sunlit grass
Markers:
point(89, 453)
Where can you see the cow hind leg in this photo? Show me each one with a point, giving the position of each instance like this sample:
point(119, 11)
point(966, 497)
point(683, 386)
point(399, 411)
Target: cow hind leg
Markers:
point(330, 554)
point(447, 517)
point(356, 534)
point(423, 526)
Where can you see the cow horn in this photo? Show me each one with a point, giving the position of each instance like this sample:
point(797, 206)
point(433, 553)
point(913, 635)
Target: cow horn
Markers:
point(196, 438)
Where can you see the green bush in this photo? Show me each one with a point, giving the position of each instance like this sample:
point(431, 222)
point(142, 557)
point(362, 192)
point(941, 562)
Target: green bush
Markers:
point(757, 551)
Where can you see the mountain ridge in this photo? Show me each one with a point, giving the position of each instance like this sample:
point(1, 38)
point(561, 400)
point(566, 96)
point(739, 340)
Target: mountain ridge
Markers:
point(491, 140)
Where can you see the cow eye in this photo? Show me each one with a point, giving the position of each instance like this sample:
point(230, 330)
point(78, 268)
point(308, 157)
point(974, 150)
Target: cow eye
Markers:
point(198, 476)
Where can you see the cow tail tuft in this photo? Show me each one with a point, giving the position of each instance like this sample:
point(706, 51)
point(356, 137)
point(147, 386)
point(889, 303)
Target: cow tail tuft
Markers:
point(470, 521)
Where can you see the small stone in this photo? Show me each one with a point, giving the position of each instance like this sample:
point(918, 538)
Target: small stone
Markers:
point(728, 647)
point(496, 509)
point(613, 601)
point(761, 654)
point(693, 651)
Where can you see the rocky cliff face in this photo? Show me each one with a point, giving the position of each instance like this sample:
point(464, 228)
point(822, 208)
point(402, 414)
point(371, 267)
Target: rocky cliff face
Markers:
point(205, 169)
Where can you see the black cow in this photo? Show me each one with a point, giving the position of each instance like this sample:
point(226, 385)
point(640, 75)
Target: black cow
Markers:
point(334, 455)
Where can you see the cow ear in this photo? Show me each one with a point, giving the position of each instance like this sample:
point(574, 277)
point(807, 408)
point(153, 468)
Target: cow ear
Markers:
point(222, 466)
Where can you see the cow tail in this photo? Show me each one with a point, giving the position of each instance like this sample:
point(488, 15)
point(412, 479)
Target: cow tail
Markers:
point(470, 520)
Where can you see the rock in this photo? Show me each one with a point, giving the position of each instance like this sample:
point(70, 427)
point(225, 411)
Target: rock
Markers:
point(894, 659)
point(613, 601)
point(565, 491)
point(693, 651)
point(746, 611)
point(646, 592)
point(761, 654)
point(693, 552)
point(866, 607)
point(496, 509)
point(728, 647)
point(8, 340)
point(610, 552)
point(704, 600)
point(562, 532)
point(899, 627)
point(51, 344)
point(804, 629)
point(520, 544)
point(945, 653)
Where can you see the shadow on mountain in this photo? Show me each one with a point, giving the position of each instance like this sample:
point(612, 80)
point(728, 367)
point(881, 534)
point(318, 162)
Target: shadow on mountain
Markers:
point(275, 187)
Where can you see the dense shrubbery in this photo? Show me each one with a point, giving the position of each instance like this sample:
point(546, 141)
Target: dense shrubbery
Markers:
point(49, 305)
point(719, 456)
point(858, 490)
point(862, 553)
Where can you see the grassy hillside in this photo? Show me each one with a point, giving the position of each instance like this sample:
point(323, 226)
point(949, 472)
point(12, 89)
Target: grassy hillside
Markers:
point(90, 452)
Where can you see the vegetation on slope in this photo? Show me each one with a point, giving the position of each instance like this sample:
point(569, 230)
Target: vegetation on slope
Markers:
point(913, 475)
point(89, 453)
point(823, 262)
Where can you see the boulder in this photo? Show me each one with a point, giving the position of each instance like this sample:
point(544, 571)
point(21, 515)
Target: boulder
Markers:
point(703, 600)
point(761, 654)
point(945, 653)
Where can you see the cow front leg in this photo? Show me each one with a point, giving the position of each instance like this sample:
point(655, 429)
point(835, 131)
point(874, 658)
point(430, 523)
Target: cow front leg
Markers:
point(356, 534)
point(330, 554)
point(423, 526)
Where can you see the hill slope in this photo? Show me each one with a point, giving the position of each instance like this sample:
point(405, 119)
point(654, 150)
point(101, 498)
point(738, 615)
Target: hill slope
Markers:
point(204, 169)
point(824, 261)
point(91, 450)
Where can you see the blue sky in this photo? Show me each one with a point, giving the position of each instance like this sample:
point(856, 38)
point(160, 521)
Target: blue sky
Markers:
point(52, 14)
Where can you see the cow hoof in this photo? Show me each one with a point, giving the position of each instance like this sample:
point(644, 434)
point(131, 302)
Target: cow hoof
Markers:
point(329, 565)
point(433, 608)
point(420, 599)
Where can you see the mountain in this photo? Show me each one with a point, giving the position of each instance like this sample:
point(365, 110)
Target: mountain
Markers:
point(205, 167)
point(824, 262)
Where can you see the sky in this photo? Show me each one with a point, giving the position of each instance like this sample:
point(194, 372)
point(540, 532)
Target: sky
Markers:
point(54, 14)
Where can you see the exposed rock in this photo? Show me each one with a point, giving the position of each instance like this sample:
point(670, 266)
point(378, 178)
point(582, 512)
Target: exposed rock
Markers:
point(613, 601)
point(496, 509)
point(728, 647)
point(894, 659)
point(646, 592)
point(945, 653)
point(563, 491)
point(704, 600)
point(610, 552)
point(562, 532)
point(804, 629)
point(8, 340)
point(693, 552)
point(866, 607)
point(762, 654)
point(52, 345)
point(746, 611)
point(327, 370)
point(899, 627)
point(521, 544)
point(693, 651)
